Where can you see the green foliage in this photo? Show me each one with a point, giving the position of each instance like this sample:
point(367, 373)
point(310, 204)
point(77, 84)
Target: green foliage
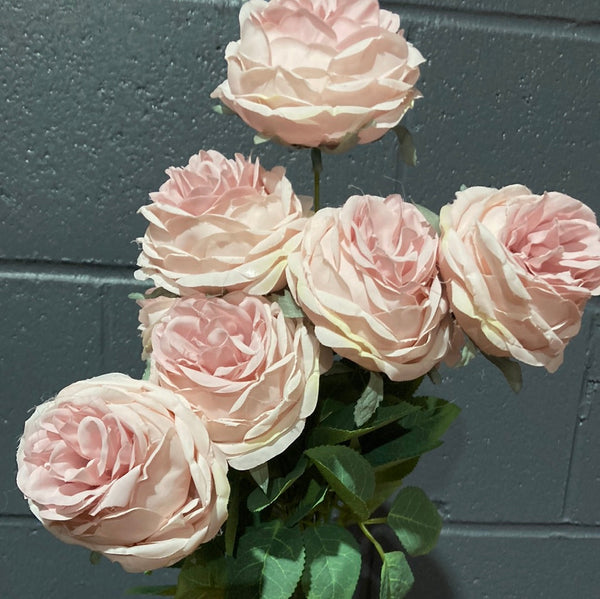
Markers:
point(339, 425)
point(348, 474)
point(203, 575)
point(370, 399)
point(431, 217)
point(314, 496)
point(333, 562)
point(269, 563)
point(424, 427)
point(258, 500)
point(415, 520)
point(396, 576)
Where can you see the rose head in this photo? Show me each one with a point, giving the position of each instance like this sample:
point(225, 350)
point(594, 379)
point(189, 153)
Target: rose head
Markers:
point(519, 269)
point(320, 73)
point(124, 468)
point(251, 373)
point(220, 224)
point(366, 276)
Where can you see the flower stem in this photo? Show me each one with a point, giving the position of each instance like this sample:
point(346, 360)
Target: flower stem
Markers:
point(373, 540)
point(317, 166)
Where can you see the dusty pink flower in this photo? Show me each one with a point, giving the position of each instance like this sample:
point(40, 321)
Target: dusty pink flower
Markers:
point(519, 269)
point(220, 224)
point(251, 373)
point(125, 468)
point(366, 276)
point(327, 73)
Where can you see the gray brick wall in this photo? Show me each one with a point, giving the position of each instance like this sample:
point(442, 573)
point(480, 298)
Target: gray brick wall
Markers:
point(98, 98)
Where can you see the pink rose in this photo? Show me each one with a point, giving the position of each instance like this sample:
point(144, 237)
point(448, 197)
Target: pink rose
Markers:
point(312, 73)
point(250, 372)
point(220, 224)
point(124, 468)
point(366, 276)
point(519, 269)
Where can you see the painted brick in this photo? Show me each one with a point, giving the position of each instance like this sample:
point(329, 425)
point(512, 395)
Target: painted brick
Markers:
point(99, 99)
point(583, 493)
point(579, 11)
point(34, 564)
point(506, 458)
point(50, 332)
point(501, 107)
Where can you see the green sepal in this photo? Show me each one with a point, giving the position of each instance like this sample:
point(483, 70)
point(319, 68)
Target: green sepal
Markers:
point(333, 562)
point(396, 576)
point(406, 146)
point(348, 474)
point(510, 369)
point(431, 217)
point(287, 303)
point(415, 520)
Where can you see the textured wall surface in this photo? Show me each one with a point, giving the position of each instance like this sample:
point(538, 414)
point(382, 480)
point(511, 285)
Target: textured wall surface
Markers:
point(98, 98)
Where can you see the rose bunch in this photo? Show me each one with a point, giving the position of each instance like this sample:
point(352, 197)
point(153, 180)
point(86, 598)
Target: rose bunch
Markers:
point(289, 345)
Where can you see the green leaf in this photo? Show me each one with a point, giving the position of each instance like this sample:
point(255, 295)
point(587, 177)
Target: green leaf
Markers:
point(431, 217)
point(95, 557)
point(415, 520)
point(258, 500)
point(269, 562)
point(348, 474)
point(159, 591)
point(389, 479)
point(370, 400)
point(333, 562)
point(136, 296)
point(396, 576)
point(339, 426)
point(406, 146)
point(288, 305)
point(314, 495)
point(510, 369)
point(203, 575)
point(426, 426)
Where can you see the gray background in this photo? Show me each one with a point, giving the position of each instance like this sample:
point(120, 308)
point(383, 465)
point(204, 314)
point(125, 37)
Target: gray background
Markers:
point(99, 97)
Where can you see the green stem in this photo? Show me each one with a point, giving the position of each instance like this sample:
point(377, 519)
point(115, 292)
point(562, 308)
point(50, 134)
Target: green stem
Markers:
point(372, 521)
point(373, 540)
point(317, 166)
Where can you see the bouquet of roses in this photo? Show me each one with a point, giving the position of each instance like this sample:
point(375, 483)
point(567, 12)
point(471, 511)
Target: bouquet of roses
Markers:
point(285, 344)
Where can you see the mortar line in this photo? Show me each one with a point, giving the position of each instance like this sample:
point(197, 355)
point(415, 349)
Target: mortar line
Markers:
point(520, 530)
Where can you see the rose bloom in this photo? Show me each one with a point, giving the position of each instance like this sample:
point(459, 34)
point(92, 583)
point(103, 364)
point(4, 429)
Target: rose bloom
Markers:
point(220, 224)
point(519, 269)
point(125, 468)
point(366, 276)
point(320, 74)
point(251, 373)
